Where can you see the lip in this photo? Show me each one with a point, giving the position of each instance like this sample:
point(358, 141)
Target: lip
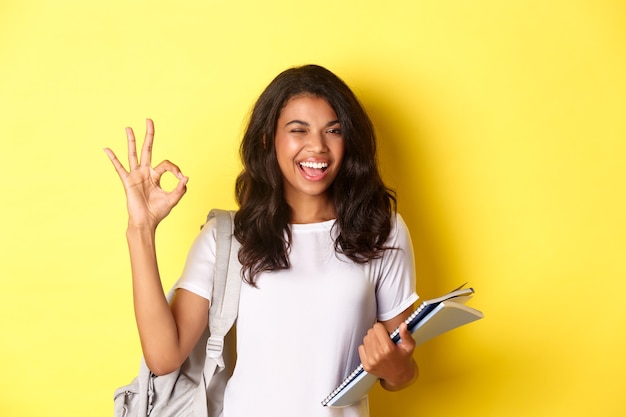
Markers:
point(307, 176)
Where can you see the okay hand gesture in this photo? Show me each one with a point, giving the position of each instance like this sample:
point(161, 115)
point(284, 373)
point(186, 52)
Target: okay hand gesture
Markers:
point(146, 201)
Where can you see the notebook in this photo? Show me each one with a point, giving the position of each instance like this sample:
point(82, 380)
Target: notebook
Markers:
point(430, 319)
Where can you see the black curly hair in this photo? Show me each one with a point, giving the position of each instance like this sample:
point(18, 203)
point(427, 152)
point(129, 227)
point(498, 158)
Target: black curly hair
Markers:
point(363, 203)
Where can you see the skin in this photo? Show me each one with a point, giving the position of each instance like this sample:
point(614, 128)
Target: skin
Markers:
point(307, 131)
point(167, 334)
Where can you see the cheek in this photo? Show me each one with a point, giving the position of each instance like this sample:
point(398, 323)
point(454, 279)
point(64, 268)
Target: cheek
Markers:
point(283, 145)
point(284, 155)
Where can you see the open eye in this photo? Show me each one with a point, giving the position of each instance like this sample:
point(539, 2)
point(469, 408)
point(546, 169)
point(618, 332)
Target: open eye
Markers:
point(335, 131)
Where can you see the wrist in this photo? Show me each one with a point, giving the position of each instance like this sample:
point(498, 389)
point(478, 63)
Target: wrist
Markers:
point(402, 381)
point(140, 232)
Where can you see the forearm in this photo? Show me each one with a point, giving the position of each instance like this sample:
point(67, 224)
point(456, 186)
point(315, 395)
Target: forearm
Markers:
point(402, 380)
point(156, 325)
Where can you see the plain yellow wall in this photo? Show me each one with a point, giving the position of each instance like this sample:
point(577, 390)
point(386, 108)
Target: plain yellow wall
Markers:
point(502, 126)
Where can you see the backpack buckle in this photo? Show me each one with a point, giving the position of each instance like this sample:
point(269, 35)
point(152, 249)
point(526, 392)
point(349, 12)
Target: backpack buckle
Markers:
point(215, 347)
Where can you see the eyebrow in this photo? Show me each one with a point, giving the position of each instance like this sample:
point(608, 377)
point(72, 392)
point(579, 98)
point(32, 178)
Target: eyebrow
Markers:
point(303, 123)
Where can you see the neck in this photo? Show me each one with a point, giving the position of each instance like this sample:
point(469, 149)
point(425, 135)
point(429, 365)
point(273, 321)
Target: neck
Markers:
point(312, 211)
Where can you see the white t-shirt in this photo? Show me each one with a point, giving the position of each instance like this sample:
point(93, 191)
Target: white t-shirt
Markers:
point(298, 332)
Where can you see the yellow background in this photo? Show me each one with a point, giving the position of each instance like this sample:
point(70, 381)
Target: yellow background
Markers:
point(502, 126)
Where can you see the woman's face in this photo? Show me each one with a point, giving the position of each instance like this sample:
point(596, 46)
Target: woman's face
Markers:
point(309, 147)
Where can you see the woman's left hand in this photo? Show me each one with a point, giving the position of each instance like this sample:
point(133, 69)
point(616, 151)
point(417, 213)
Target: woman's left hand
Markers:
point(392, 363)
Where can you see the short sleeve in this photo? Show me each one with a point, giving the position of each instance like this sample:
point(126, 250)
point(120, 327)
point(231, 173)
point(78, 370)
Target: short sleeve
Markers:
point(395, 289)
point(199, 270)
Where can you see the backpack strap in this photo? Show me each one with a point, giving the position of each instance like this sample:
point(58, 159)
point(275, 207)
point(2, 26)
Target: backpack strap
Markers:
point(225, 300)
point(226, 286)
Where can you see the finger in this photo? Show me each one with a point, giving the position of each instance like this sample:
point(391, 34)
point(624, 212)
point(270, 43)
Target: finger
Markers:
point(181, 186)
point(146, 149)
point(180, 190)
point(116, 163)
point(369, 359)
point(132, 149)
point(379, 332)
point(364, 358)
point(167, 166)
point(376, 343)
point(407, 343)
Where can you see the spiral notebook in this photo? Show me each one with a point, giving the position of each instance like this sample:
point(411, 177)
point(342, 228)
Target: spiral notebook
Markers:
point(430, 319)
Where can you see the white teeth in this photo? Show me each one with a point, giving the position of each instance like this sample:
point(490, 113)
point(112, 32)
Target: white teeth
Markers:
point(316, 165)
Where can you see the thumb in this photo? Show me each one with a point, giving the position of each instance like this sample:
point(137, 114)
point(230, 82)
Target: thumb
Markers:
point(407, 343)
point(180, 189)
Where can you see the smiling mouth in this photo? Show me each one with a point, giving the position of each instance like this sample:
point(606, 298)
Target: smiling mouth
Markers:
point(313, 170)
point(314, 165)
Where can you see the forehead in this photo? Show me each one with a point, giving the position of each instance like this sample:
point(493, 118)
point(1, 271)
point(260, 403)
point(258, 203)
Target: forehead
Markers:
point(307, 105)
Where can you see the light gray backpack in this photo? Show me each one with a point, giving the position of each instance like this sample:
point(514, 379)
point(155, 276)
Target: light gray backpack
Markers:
point(197, 387)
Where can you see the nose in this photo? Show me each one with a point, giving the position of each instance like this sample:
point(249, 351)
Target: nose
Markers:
point(317, 142)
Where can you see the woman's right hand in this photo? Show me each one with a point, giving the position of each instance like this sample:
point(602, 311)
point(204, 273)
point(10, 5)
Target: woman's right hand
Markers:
point(146, 201)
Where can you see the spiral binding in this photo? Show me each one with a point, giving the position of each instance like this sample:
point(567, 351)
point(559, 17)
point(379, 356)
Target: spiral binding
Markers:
point(360, 369)
point(395, 335)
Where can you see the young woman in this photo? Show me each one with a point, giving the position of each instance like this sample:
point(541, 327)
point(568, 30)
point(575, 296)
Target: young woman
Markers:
point(327, 263)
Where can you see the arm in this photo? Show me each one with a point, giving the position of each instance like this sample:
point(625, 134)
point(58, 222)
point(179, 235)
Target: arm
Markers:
point(167, 334)
point(392, 363)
